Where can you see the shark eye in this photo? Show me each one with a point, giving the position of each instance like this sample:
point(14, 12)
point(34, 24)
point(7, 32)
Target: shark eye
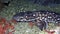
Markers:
point(33, 14)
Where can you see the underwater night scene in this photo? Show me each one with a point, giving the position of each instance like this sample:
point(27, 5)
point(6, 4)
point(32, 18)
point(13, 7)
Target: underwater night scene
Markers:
point(29, 16)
